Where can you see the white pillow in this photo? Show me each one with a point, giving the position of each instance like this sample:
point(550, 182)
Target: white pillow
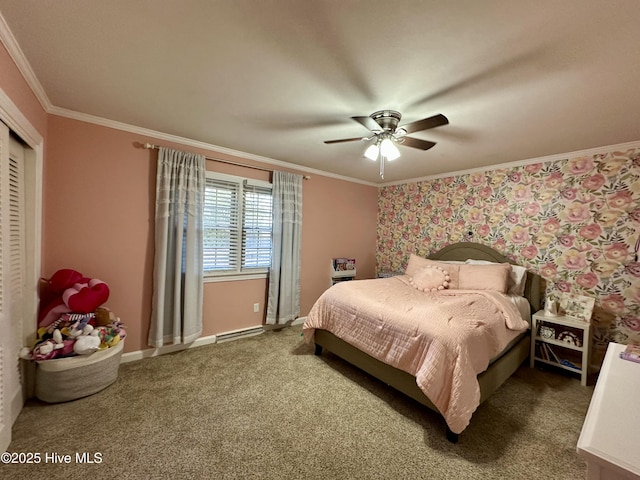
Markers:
point(517, 279)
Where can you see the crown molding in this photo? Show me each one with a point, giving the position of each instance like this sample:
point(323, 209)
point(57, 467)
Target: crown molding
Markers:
point(15, 52)
point(16, 121)
point(520, 163)
point(83, 117)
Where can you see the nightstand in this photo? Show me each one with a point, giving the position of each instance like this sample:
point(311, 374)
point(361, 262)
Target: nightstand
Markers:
point(563, 342)
point(387, 274)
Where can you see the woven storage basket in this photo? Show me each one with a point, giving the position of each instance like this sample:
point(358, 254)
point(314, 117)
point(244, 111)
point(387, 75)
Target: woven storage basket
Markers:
point(65, 379)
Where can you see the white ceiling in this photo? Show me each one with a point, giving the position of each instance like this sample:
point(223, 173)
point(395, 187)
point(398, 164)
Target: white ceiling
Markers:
point(518, 79)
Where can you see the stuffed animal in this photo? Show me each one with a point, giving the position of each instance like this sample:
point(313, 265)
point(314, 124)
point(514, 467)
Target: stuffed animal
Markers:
point(104, 316)
point(69, 291)
point(86, 344)
point(53, 346)
point(71, 319)
point(110, 335)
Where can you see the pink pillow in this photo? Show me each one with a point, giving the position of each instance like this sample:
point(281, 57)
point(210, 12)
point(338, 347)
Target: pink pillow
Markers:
point(485, 277)
point(430, 278)
point(417, 263)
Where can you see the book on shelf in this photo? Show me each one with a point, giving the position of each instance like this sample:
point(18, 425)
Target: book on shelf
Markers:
point(342, 264)
point(569, 364)
point(631, 353)
point(552, 354)
point(546, 352)
point(541, 352)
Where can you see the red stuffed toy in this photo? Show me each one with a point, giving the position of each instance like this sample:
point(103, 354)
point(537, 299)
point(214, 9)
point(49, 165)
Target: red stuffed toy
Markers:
point(69, 291)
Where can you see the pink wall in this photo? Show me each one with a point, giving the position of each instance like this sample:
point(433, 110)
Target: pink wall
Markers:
point(13, 84)
point(98, 219)
point(337, 222)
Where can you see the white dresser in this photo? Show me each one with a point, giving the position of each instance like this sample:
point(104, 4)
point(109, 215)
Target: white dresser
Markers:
point(610, 437)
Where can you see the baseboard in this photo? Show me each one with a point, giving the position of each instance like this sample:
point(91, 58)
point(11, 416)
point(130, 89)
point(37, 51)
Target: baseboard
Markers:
point(16, 404)
point(279, 326)
point(209, 340)
point(155, 352)
point(242, 333)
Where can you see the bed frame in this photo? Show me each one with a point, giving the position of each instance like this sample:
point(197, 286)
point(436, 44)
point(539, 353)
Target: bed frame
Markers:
point(497, 373)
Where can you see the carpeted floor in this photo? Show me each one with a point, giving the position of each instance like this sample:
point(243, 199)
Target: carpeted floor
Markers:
point(265, 407)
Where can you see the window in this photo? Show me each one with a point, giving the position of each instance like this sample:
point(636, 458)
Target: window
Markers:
point(237, 226)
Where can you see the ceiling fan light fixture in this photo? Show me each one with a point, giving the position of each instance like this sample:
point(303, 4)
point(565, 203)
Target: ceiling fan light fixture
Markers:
point(389, 150)
point(386, 134)
point(372, 152)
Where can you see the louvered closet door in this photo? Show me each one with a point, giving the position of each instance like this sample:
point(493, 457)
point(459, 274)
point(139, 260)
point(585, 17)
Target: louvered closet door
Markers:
point(11, 278)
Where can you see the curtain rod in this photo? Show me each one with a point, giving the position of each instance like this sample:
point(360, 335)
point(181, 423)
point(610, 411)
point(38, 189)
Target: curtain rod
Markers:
point(151, 146)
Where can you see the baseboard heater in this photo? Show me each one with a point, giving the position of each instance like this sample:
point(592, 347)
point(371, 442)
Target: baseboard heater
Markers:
point(235, 334)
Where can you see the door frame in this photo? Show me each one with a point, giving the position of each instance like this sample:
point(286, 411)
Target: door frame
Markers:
point(17, 122)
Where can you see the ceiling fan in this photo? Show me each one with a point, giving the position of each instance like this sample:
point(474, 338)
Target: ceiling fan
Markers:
point(386, 134)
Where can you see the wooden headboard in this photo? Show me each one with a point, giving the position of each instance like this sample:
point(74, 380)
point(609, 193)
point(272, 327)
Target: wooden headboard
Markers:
point(466, 250)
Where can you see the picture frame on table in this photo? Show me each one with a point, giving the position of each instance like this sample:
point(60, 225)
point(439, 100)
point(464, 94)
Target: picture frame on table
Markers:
point(576, 306)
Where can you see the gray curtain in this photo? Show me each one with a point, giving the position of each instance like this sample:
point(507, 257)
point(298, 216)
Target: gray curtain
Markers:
point(284, 276)
point(177, 273)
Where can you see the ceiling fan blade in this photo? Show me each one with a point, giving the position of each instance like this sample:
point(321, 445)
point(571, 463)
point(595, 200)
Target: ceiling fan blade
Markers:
point(417, 143)
point(344, 140)
point(369, 123)
point(426, 123)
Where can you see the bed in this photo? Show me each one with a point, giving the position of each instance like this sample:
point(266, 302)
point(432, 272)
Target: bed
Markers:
point(418, 378)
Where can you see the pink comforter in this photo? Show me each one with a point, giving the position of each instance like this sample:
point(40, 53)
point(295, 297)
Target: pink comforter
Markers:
point(444, 339)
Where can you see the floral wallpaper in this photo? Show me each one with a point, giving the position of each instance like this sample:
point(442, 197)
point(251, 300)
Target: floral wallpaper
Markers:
point(575, 222)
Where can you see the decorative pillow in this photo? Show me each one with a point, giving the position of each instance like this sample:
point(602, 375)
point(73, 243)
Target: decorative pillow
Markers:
point(484, 277)
point(430, 278)
point(416, 263)
point(517, 279)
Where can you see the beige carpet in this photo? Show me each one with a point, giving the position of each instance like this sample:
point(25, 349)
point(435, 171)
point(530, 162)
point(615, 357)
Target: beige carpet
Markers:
point(266, 408)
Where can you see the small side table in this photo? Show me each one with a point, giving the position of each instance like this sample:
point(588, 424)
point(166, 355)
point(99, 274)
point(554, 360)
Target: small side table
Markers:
point(387, 274)
point(564, 342)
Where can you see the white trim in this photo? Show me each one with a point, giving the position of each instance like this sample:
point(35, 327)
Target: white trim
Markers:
point(155, 352)
point(238, 179)
point(209, 340)
point(15, 52)
point(240, 333)
point(249, 156)
point(520, 163)
point(83, 117)
point(17, 122)
point(13, 118)
point(233, 277)
point(16, 404)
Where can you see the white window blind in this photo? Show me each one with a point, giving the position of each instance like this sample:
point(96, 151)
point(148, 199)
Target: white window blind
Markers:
point(258, 217)
point(237, 225)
